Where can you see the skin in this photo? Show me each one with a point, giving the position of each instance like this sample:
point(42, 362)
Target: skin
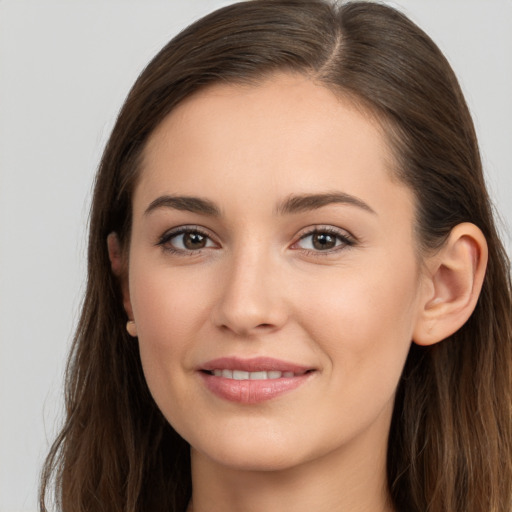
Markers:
point(260, 287)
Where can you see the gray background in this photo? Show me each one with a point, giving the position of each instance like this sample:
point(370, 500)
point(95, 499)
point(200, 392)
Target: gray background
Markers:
point(65, 67)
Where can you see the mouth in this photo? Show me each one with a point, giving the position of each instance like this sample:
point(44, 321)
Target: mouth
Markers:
point(251, 381)
point(258, 375)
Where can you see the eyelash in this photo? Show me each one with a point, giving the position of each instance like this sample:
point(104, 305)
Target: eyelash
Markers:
point(346, 240)
point(165, 239)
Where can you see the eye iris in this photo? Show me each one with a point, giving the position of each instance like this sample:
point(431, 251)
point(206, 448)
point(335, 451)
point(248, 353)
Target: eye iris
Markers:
point(323, 241)
point(194, 240)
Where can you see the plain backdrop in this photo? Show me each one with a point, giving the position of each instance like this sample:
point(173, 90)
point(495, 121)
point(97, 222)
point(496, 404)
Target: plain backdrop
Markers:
point(65, 68)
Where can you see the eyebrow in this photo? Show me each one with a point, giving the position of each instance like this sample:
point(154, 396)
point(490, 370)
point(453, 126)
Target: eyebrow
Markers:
point(306, 202)
point(292, 204)
point(185, 203)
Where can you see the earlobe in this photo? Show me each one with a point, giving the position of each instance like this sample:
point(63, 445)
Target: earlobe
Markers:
point(119, 269)
point(131, 328)
point(454, 281)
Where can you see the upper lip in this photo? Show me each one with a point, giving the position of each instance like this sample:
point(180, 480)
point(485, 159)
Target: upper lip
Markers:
point(255, 364)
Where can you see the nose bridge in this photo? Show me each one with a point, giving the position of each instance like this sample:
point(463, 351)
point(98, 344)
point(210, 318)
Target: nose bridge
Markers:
point(250, 298)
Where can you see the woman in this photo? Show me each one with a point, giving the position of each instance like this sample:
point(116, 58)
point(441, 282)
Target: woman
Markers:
point(296, 297)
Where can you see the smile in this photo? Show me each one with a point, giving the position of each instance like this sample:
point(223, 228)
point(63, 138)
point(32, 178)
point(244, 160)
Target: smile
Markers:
point(252, 381)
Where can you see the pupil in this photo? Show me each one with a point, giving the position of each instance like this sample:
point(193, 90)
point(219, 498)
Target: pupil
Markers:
point(323, 241)
point(194, 240)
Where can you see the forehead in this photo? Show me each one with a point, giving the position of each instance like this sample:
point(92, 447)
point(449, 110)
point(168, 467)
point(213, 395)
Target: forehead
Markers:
point(287, 131)
point(265, 108)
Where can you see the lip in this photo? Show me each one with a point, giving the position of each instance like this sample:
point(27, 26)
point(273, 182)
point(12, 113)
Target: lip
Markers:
point(253, 391)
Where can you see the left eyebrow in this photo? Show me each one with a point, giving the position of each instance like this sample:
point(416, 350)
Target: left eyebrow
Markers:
point(185, 203)
point(306, 202)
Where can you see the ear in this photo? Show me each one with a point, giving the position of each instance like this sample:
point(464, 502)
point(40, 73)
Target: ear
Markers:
point(119, 268)
point(454, 279)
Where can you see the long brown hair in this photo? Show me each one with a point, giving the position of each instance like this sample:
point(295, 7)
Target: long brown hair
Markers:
point(450, 442)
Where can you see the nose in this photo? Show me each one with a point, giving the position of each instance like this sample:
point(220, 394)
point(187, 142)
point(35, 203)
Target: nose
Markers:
point(251, 301)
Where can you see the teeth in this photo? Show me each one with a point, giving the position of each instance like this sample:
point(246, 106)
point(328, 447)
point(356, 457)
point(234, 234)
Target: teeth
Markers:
point(243, 375)
point(258, 376)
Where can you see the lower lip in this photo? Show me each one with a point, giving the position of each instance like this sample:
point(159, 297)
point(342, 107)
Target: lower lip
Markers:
point(252, 391)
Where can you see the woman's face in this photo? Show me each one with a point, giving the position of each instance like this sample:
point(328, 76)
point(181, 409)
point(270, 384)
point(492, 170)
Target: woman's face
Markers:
point(273, 277)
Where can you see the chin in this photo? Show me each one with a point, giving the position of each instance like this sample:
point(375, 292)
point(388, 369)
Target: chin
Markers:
point(247, 452)
point(253, 461)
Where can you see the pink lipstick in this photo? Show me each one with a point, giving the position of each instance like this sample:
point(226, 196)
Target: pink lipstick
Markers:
point(251, 381)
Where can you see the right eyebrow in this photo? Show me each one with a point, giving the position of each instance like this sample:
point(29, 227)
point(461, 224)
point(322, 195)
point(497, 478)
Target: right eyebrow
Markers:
point(185, 203)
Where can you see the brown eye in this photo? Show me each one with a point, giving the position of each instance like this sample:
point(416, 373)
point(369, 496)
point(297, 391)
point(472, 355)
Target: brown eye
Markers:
point(184, 240)
point(194, 240)
point(323, 241)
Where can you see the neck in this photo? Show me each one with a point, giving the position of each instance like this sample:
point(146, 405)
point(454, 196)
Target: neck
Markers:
point(351, 479)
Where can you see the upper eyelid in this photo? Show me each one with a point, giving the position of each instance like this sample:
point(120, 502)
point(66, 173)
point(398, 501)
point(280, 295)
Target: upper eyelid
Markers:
point(186, 228)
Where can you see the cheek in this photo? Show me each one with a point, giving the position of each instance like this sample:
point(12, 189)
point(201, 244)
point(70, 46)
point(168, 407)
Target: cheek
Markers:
point(169, 311)
point(167, 304)
point(364, 322)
